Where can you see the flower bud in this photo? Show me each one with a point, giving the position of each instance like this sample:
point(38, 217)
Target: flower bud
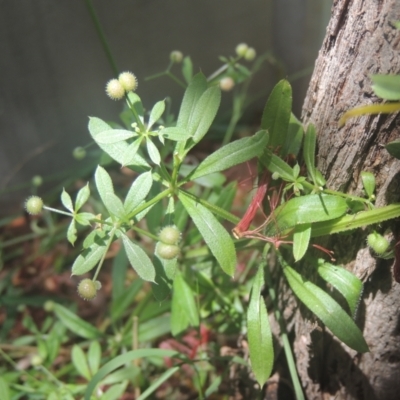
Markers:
point(176, 56)
point(241, 49)
point(34, 205)
point(128, 81)
point(250, 54)
point(226, 84)
point(79, 153)
point(115, 90)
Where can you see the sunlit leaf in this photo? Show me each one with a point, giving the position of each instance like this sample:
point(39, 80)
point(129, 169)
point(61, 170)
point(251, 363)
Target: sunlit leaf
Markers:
point(72, 232)
point(259, 333)
point(138, 191)
point(153, 152)
point(114, 136)
point(79, 360)
point(214, 234)
point(301, 240)
point(88, 259)
point(82, 197)
point(67, 201)
point(156, 113)
point(139, 260)
point(326, 309)
point(310, 141)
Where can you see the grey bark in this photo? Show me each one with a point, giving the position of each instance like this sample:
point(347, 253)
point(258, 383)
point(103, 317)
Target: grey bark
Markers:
point(361, 40)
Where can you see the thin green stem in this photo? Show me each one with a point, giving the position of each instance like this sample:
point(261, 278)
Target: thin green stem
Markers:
point(110, 239)
point(220, 212)
point(59, 211)
point(149, 203)
point(176, 79)
point(102, 37)
point(284, 336)
point(135, 114)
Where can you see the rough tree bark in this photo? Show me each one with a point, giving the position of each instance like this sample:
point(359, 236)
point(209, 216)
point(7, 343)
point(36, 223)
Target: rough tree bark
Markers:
point(361, 40)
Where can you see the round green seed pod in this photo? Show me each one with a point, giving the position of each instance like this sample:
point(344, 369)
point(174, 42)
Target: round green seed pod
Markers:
point(226, 84)
point(250, 54)
point(79, 153)
point(34, 205)
point(241, 49)
point(169, 235)
point(36, 360)
point(87, 289)
point(115, 90)
point(378, 243)
point(176, 56)
point(167, 251)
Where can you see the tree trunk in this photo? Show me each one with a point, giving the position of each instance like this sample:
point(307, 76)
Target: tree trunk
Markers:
point(361, 40)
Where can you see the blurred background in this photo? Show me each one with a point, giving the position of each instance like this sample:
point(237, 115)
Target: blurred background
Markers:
point(54, 69)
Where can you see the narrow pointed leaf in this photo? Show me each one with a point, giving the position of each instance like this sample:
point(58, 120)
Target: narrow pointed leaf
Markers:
point(386, 86)
point(310, 140)
point(204, 113)
point(103, 183)
point(84, 218)
point(276, 115)
point(175, 133)
point(139, 260)
point(88, 259)
point(183, 309)
point(275, 164)
point(79, 360)
point(72, 232)
point(156, 113)
point(154, 154)
point(117, 151)
point(326, 309)
point(75, 324)
point(259, 333)
point(214, 234)
point(196, 88)
point(82, 197)
point(67, 201)
point(130, 152)
point(94, 356)
point(394, 148)
point(344, 281)
point(301, 240)
point(187, 69)
point(140, 188)
point(232, 154)
point(114, 136)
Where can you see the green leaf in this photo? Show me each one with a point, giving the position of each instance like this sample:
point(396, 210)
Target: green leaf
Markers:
point(204, 113)
point(156, 113)
point(183, 309)
point(196, 88)
point(326, 309)
point(117, 151)
point(75, 324)
point(175, 133)
point(344, 281)
point(306, 210)
point(276, 115)
point(138, 191)
point(84, 218)
point(115, 391)
point(94, 356)
point(103, 183)
point(394, 148)
point(130, 152)
point(368, 180)
point(139, 260)
point(125, 298)
point(80, 362)
point(67, 201)
point(82, 197)
point(386, 86)
point(72, 232)
point(275, 164)
point(301, 240)
point(114, 135)
point(310, 141)
point(187, 69)
point(294, 136)
point(122, 360)
point(158, 382)
point(153, 152)
point(136, 102)
point(259, 333)
point(88, 259)
point(232, 154)
point(4, 389)
point(114, 205)
point(214, 234)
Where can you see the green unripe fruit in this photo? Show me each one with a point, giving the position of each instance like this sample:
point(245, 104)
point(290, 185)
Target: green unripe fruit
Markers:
point(87, 289)
point(36, 360)
point(34, 205)
point(176, 56)
point(170, 235)
point(167, 251)
point(378, 243)
point(115, 90)
point(128, 81)
point(226, 84)
point(250, 54)
point(37, 180)
point(241, 49)
point(79, 153)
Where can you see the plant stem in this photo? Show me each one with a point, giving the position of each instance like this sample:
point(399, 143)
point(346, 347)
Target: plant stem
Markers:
point(102, 37)
point(110, 239)
point(284, 336)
